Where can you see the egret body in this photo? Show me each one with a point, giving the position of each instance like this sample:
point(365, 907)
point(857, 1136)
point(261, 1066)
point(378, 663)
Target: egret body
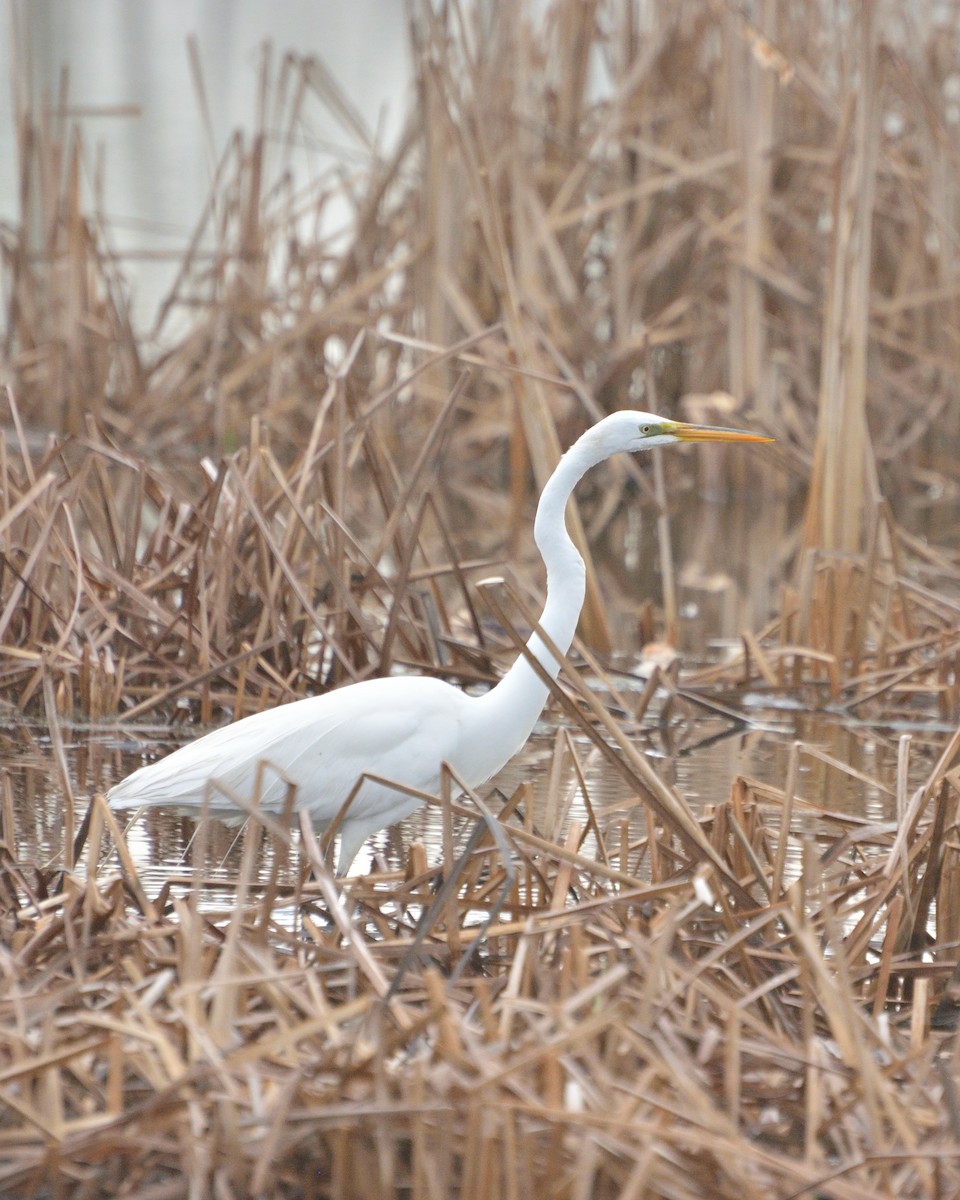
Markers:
point(403, 728)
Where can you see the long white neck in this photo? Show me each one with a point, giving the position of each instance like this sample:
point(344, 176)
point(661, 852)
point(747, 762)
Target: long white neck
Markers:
point(519, 697)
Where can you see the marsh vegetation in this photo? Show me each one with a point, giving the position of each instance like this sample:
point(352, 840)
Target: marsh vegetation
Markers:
point(301, 475)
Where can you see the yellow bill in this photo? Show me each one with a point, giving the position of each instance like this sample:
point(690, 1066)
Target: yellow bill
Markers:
point(711, 433)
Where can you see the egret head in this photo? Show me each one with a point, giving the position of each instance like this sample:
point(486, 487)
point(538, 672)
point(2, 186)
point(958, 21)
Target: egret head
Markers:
point(633, 431)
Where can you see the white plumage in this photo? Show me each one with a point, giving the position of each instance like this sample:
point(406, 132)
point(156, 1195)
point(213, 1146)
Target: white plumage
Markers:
point(400, 728)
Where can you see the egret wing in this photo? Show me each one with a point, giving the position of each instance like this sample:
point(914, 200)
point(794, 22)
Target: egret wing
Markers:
point(323, 745)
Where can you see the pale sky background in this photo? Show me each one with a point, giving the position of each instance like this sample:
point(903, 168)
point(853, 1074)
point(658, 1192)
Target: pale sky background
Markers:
point(134, 53)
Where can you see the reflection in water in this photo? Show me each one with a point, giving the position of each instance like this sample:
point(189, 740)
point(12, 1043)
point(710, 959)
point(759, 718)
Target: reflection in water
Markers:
point(730, 559)
point(692, 753)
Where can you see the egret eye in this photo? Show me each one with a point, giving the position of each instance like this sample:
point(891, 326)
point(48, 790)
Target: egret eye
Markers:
point(645, 429)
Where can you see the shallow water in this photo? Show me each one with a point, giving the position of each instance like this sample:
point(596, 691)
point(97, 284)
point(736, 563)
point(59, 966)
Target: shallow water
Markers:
point(700, 755)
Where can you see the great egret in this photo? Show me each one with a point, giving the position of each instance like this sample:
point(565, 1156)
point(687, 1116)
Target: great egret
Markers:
point(403, 728)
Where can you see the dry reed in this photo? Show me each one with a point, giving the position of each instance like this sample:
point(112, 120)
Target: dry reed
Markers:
point(644, 1002)
point(735, 1030)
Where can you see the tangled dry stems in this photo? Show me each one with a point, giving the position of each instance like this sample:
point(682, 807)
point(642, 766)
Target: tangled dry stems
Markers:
point(662, 1005)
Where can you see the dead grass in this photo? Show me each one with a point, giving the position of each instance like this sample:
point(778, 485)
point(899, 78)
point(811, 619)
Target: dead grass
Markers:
point(621, 1028)
point(748, 219)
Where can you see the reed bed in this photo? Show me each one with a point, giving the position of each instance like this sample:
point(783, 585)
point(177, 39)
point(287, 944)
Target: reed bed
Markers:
point(571, 1024)
point(295, 479)
point(657, 206)
point(874, 636)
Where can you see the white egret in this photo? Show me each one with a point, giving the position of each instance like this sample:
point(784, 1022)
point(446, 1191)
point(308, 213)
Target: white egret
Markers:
point(403, 728)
